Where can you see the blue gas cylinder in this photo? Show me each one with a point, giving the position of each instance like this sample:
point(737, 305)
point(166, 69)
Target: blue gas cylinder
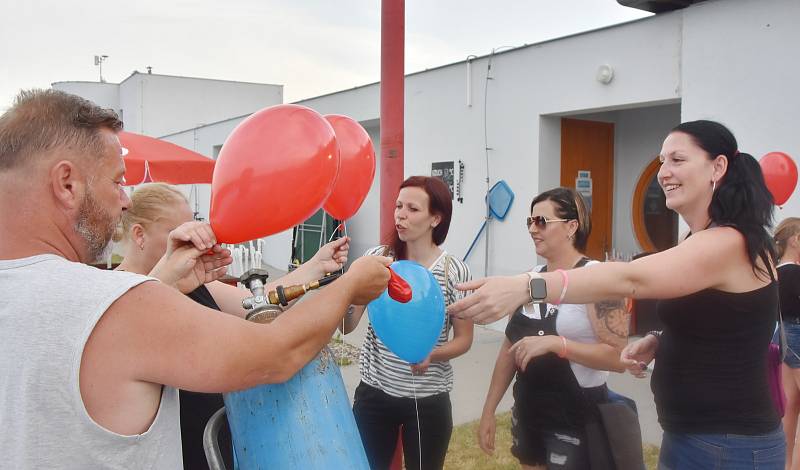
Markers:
point(306, 422)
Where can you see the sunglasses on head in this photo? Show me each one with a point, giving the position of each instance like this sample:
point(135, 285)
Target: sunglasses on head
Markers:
point(542, 221)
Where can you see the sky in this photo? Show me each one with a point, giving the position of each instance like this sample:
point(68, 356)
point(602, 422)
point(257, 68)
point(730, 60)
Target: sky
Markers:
point(312, 47)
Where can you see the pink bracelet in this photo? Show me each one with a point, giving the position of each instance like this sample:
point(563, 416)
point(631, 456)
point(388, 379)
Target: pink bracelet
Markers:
point(563, 352)
point(565, 283)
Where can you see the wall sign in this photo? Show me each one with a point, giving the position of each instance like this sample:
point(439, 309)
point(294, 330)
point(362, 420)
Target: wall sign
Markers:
point(583, 185)
point(444, 171)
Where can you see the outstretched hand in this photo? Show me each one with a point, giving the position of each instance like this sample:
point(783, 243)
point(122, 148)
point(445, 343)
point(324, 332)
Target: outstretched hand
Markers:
point(367, 277)
point(494, 298)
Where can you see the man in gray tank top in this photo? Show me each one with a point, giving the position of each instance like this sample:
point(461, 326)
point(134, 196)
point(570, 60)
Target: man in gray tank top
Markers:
point(90, 360)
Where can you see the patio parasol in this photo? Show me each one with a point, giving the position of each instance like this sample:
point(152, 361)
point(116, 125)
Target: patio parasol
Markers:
point(148, 159)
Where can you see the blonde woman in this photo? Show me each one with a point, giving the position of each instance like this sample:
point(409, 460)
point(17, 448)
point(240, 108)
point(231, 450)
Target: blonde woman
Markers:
point(159, 211)
point(787, 242)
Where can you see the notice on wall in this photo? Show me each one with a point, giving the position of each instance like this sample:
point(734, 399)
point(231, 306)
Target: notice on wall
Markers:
point(444, 171)
point(583, 184)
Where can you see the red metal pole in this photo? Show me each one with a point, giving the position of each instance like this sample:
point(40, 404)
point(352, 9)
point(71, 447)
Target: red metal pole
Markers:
point(393, 22)
point(392, 109)
point(397, 459)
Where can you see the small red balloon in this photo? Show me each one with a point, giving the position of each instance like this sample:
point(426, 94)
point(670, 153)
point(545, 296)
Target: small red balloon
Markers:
point(399, 288)
point(276, 169)
point(356, 168)
point(780, 174)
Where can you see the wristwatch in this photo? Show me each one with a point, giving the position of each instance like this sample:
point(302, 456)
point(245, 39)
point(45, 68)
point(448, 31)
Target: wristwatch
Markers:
point(537, 287)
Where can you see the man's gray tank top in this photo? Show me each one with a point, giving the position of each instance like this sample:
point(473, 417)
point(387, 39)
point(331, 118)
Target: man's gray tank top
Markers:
point(48, 308)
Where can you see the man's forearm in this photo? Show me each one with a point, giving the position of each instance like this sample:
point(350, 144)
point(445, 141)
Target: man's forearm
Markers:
point(308, 326)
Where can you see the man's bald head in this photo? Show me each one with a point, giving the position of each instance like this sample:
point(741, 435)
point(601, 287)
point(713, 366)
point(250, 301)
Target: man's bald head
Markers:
point(41, 121)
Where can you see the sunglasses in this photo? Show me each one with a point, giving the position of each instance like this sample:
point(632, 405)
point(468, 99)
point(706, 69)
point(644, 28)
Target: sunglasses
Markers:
point(542, 221)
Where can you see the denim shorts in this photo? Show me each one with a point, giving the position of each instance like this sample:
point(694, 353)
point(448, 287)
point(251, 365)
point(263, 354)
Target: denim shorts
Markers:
point(792, 329)
point(723, 451)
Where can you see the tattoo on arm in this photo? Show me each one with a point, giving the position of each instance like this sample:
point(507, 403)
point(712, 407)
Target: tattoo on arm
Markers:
point(614, 316)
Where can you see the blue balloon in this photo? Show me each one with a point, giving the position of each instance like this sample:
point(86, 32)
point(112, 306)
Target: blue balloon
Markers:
point(410, 329)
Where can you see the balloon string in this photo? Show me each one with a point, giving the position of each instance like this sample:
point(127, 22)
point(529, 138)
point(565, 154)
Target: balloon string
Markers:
point(341, 226)
point(338, 228)
point(416, 408)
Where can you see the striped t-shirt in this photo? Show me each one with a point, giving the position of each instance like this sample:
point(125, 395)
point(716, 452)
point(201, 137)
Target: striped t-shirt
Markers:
point(382, 369)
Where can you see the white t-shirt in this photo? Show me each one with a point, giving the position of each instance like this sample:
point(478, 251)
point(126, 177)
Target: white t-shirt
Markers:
point(573, 323)
point(48, 308)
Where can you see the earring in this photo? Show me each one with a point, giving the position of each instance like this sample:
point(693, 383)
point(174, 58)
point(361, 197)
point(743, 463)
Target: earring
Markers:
point(713, 186)
point(141, 246)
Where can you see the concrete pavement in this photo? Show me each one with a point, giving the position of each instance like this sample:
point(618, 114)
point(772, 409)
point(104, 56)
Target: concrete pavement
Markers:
point(473, 373)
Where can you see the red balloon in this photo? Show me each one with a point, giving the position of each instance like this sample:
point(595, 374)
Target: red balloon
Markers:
point(275, 170)
point(399, 288)
point(356, 170)
point(780, 173)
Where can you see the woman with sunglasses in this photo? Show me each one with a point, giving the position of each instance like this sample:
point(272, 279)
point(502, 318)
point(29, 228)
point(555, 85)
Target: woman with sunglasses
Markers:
point(718, 303)
point(392, 392)
point(158, 212)
point(560, 353)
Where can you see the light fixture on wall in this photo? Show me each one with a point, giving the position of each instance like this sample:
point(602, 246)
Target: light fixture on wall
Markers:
point(605, 73)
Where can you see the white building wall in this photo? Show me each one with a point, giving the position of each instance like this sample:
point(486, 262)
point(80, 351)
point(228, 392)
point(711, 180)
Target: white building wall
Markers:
point(103, 94)
point(741, 67)
point(726, 60)
point(638, 138)
point(557, 77)
point(638, 135)
point(159, 105)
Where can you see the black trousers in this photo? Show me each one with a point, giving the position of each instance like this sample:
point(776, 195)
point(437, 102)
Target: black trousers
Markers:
point(380, 415)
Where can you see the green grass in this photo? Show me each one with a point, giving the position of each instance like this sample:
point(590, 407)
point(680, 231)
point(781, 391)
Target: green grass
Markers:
point(464, 452)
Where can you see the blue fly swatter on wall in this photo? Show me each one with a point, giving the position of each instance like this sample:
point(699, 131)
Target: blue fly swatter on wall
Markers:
point(499, 199)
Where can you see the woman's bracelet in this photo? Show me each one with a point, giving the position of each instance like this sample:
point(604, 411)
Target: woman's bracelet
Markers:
point(564, 285)
point(656, 333)
point(563, 352)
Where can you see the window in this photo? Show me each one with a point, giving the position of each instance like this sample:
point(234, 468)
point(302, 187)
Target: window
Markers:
point(655, 225)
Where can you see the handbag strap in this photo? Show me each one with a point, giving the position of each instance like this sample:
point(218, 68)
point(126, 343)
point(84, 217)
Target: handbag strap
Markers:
point(447, 287)
point(782, 346)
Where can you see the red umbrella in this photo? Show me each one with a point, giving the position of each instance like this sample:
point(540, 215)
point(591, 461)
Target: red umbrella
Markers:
point(149, 159)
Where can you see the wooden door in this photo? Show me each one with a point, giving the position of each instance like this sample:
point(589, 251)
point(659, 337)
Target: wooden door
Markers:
point(589, 146)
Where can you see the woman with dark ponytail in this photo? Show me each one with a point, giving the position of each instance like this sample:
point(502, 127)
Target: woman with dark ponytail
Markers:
point(718, 302)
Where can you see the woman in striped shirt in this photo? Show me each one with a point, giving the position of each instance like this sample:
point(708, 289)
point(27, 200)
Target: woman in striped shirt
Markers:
point(385, 398)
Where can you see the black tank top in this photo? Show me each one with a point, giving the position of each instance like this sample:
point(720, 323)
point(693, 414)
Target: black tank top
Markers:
point(711, 365)
point(547, 393)
point(197, 408)
point(789, 280)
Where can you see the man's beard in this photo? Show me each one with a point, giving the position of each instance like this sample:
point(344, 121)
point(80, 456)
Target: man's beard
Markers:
point(96, 227)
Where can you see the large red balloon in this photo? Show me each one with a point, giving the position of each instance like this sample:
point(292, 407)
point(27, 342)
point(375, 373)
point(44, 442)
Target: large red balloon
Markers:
point(357, 168)
point(275, 170)
point(780, 173)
